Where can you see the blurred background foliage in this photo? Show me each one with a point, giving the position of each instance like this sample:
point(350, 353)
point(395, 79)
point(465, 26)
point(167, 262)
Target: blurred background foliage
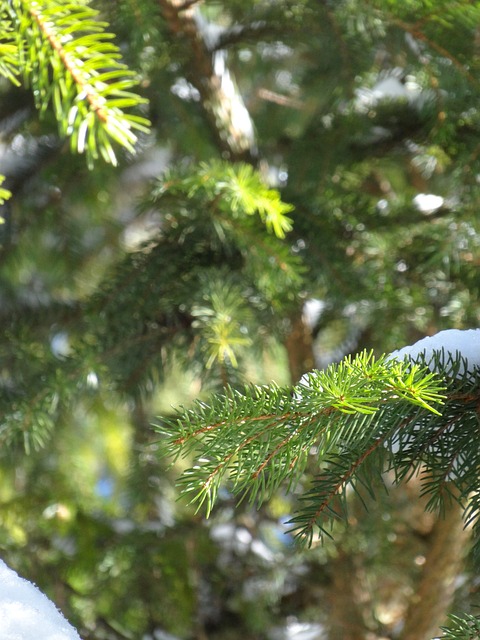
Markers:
point(126, 290)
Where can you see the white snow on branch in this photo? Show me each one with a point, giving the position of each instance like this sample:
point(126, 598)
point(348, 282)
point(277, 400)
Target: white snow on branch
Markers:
point(27, 614)
point(449, 345)
point(428, 203)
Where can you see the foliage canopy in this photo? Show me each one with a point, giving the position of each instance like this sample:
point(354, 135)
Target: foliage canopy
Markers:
point(267, 155)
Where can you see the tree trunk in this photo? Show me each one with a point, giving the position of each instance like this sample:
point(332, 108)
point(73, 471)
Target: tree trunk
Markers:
point(346, 600)
point(225, 111)
point(299, 346)
point(449, 541)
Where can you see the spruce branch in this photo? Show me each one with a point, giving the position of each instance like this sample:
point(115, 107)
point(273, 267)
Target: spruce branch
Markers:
point(420, 35)
point(9, 58)
point(69, 60)
point(260, 438)
point(235, 189)
point(220, 320)
point(466, 627)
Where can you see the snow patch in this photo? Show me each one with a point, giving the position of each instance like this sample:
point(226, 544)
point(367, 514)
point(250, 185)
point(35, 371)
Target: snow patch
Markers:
point(428, 203)
point(27, 614)
point(448, 345)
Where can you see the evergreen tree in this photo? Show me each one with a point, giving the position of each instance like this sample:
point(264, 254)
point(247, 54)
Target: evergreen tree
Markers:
point(300, 151)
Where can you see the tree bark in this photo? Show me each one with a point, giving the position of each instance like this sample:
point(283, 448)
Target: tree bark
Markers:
point(346, 601)
point(225, 111)
point(299, 346)
point(449, 542)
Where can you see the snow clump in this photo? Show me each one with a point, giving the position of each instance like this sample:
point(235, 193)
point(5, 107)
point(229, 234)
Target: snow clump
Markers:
point(27, 614)
point(449, 345)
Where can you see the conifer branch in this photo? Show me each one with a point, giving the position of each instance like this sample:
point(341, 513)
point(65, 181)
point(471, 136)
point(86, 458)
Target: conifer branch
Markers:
point(69, 60)
point(466, 627)
point(9, 58)
point(360, 417)
point(235, 190)
point(264, 436)
point(416, 32)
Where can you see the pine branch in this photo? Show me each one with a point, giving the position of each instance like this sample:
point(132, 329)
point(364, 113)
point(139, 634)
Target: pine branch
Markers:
point(220, 317)
point(416, 32)
point(9, 69)
point(264, 436)
point(235, 189)
point(462, 628)
point(359, 418)
point(9, 59)
point(218, 205)
point(69, 60)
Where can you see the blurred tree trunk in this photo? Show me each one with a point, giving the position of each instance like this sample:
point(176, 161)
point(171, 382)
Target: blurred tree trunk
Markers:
point(299, 347)
point(225, 111)
point(429, 605)
point(347, 600)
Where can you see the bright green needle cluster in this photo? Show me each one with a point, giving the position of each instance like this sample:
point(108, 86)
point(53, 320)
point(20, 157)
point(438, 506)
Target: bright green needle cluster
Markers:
point(4, 194)
point(238, 190)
